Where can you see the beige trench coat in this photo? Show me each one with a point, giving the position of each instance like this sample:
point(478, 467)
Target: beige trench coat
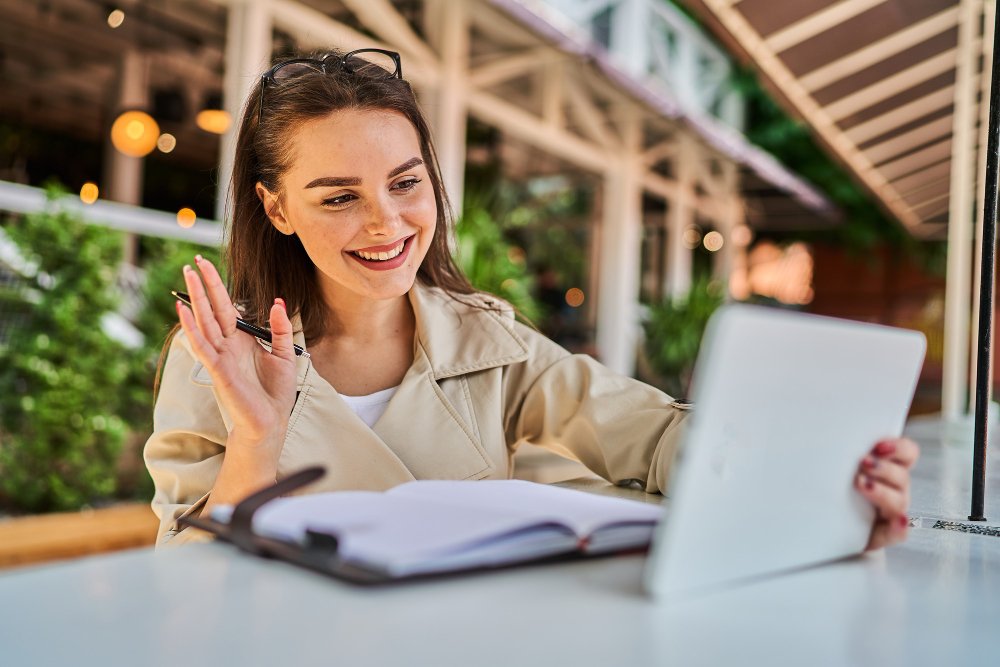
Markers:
point(480, 384)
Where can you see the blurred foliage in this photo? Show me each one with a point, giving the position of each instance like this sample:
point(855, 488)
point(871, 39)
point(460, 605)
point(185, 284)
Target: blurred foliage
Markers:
point(792, 143)
point(491, 263)
point(60, 425)
point(76, 405)
point(674, 329)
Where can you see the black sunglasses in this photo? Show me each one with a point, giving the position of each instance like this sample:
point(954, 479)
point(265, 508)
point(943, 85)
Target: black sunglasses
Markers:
point(365, 62)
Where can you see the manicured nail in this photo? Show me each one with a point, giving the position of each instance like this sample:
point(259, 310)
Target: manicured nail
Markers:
point(187, 268)
point(869, 463)
point(281, 302)
point(885, 448)
point(869, 482)
point(178, 305)
point(197, 259)
point(904, 521)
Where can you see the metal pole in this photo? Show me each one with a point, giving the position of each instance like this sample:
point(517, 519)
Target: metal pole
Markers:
point(987, 276)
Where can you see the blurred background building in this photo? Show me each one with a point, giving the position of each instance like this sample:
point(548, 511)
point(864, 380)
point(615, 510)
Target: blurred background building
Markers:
point(811, 154)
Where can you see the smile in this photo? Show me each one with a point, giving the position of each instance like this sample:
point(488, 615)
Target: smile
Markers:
point(384, 257)
point(381, 256)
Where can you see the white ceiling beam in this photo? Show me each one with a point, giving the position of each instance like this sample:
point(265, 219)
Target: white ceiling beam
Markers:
point(898, 145)
point(882, 90)
point(817, 23)
point(911, 183)
point(313, 29)
point(382, 19)
point(519, 123)
point(585, 112)
point(554, 94)
point(772, 67)
point(661, 151)
point(901, 115)
point(919, 159)
point(510, 66)
point(880, 50)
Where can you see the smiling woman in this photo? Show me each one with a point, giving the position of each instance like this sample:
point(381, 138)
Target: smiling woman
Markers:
point(338, 243)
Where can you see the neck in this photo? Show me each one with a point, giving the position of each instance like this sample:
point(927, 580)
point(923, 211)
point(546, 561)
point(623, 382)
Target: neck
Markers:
point(352, 317)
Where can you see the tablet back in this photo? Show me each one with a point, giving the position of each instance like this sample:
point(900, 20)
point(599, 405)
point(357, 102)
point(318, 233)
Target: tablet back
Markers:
point(785, 407)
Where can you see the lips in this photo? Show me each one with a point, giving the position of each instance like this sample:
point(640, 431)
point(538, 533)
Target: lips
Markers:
point(383, 257)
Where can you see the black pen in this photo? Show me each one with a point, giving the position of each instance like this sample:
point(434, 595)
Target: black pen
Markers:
point(243, 325)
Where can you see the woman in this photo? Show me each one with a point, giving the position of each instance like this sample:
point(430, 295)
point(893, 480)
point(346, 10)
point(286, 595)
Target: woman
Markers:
point(339, 244)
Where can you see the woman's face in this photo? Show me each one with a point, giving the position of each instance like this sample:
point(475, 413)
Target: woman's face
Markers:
point(359, 198)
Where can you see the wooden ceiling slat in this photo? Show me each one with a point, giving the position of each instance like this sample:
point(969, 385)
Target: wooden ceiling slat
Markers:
point(890, 148)
point(880, 50)
point(817, 23)
point(883, 124)
point(918, 160)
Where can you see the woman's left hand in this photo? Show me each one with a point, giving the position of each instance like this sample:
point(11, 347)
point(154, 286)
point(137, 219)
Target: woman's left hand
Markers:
point(884, 479)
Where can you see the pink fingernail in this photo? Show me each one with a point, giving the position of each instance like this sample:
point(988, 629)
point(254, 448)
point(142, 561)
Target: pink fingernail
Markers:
point(904, 521)
point(885, 448)
point(281, 302)
point(869, 483)
point(198, 258)
point(868, 463)
point(187, 268)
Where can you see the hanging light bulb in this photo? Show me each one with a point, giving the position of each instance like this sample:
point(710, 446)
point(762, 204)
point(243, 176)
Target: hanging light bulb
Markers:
point(134, 133)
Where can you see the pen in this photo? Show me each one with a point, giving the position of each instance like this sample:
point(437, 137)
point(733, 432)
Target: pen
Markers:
point(243, 325)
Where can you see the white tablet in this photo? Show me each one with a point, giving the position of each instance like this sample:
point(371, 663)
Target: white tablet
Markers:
point(785, 407)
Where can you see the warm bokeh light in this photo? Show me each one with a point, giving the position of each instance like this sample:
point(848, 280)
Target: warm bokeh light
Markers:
point(166, 143)
point(575, 297)
point(713, 241)
point(186, 217)
point(89, 193)
point(134, 133)
point(116, 18)
point(783, 274)
point(741, 236)
point(516, 255)
point(215, 121)
point(691, 238)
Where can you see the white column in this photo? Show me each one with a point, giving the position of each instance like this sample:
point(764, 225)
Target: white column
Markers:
point(680, 216)
point(122, 173)
point(448, 108)
point(248, 54)
point(630, 35)
point(955, 380)
point(620, 250)
point(730, 216)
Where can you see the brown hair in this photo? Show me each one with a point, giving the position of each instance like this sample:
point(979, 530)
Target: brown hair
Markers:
point(262, 262)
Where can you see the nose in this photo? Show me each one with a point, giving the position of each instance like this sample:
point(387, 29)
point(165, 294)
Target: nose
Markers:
point(384, 217)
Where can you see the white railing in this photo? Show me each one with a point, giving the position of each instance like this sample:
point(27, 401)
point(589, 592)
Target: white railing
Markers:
point(659, 45)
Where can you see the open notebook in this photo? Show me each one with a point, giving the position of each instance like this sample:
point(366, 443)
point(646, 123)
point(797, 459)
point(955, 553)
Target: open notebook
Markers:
point(431, 527)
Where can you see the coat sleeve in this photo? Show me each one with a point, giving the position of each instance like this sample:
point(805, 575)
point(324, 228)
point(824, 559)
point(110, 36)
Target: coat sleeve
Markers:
point(184, 453)
point(620, 428)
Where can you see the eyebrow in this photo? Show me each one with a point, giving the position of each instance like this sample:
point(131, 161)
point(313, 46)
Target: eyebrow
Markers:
point(342, 181)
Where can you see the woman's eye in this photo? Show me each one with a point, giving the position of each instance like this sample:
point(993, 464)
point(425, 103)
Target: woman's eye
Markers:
point(406, 184)
point(339, 200)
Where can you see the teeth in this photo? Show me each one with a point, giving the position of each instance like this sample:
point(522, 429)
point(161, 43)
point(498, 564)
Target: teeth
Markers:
point(380, 256)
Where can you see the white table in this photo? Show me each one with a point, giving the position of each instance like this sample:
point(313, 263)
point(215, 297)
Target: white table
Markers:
point(932, 601)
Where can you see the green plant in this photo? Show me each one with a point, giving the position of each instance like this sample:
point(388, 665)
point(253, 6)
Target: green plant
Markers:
point(60, 373)
point(674, 329)
point(491, 263)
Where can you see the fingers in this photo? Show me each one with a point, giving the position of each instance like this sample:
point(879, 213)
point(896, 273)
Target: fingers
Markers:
point(886, 471)
point(203, 350)
point(888, 532)
point(201, 307)
point(218, 296)
point(281, 331)
point(901, 450)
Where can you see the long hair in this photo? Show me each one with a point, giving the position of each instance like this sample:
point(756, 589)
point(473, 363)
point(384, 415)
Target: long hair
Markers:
point(262, 262)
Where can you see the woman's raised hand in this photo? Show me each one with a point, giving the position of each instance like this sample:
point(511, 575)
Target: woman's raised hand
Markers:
point(256, 388)
point(884, 480)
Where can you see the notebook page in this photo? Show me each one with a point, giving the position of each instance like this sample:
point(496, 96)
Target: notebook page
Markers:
point(381, 530)
point(582, 512)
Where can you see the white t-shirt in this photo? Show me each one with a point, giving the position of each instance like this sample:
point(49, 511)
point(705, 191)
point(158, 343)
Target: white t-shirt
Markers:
point(370, 407)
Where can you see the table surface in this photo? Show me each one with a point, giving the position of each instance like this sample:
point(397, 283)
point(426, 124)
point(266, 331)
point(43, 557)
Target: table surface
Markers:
point(929, 601)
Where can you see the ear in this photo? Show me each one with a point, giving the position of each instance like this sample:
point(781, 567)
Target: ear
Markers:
point(275, 213)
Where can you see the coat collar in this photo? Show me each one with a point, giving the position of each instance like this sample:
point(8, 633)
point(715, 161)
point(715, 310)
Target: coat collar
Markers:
point(458, 336)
